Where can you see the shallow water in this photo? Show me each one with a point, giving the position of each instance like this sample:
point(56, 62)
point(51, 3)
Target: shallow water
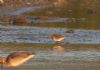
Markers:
point(29, 34)
point(47, 59)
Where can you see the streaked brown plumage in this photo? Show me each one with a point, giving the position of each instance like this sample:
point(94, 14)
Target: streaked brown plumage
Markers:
point(57, 38)
point(16, 58)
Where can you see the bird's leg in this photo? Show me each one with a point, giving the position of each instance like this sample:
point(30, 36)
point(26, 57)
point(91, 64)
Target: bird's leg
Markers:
point(58, 43)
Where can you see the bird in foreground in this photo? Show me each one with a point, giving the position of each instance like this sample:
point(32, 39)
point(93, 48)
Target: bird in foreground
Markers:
point(16, 58)
point(2, 1)
point(57, 38)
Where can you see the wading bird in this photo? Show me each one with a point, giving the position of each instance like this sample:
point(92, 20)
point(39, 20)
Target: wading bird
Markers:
point(57, 38)
point(2, 1)
point(16, 58)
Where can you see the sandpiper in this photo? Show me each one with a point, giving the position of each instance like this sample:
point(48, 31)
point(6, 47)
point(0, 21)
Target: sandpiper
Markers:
point(16, 58)
point(57, 38)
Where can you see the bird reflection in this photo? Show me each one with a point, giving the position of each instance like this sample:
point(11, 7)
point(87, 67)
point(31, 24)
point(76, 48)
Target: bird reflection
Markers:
point(58, 48)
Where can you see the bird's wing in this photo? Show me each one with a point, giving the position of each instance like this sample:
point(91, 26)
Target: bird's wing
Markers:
point(17, 58)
